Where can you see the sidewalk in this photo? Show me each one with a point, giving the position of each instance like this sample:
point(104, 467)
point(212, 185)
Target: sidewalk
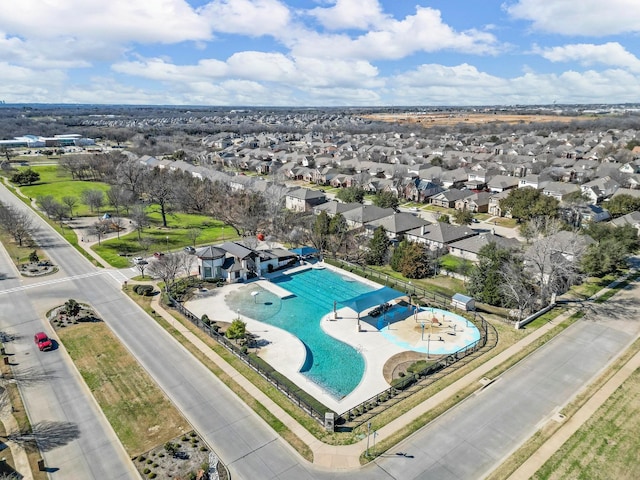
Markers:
point(344, 457)
point(347, 457)
point(20, 458)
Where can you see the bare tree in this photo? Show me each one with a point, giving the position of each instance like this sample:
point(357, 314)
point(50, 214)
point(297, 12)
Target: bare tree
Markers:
point(167, 268)
point(70, 202)
point(99, 229)
point(18, 223)
point(142, 266)
point(193, 234)
point(130, 174)
point(554, 260)
point(139, 219)
point(118, 224)
point(145, 243)
point(93, 198)
point(159, 189)
point(517, 286)
point(118, 197)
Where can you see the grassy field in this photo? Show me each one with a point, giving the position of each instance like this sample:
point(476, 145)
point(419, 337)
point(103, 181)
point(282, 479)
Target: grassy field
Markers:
point(57, 183)
point(138, 410)
point(174, 237)
point(606, 446)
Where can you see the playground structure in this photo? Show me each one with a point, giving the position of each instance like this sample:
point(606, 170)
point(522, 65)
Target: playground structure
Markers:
point(432, 331)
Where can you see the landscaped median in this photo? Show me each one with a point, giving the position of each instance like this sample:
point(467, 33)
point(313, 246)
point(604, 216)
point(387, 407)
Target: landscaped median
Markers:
point(141, 415)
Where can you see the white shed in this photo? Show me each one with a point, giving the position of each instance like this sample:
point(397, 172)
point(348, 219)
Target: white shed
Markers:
point(463, 302)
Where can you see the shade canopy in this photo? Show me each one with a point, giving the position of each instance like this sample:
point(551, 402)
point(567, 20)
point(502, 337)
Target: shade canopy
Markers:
point(372, 299)
point(304, 251)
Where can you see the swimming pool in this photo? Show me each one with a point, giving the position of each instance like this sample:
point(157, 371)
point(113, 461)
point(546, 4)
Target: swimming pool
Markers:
point(334, 365)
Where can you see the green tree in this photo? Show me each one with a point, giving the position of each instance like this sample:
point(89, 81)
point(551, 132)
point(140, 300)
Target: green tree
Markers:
point(525, 203)
point(444, 218)
point(622, 204)
point(613, 247)
point(417, 261)
point(378, 247)
point(237, 330)
point(351, 194)
point(72, 308)
point(485, 279)
point(385, 199)
point(25, 177)
point(396, 256)
point(463, 217)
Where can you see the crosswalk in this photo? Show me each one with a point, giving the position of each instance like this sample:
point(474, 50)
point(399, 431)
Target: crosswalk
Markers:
point(60, 280)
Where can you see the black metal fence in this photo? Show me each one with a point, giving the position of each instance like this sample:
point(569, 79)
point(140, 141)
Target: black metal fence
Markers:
point(433, 298)
point(409, 385)
point(266, 373)
point(414, 382)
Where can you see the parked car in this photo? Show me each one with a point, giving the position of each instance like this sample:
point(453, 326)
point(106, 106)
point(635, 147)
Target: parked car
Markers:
point(138, 260)
point(42, 341)
point(158, 254)
point(190, 250)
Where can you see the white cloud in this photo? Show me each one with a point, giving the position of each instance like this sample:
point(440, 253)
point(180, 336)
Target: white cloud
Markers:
point(259, 67)
point(349, 14)
point(248, 17)
point(120, 21)
point(395, 39)
point(582, 17)
point(466, 85)
point(611, 54)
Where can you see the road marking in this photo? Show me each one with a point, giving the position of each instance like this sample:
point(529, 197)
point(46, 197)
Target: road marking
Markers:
point(51, 282)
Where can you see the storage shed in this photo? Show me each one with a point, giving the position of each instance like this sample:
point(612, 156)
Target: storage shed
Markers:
point(463, 302)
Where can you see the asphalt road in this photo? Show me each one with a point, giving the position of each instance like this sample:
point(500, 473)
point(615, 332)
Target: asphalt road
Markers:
point(467, 442)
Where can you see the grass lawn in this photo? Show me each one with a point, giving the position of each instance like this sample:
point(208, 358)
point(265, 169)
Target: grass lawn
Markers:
point(138, 410)
point(57, 183)
point(174, 237)
point(606, 446)
point(455, 264)
point(440, 284)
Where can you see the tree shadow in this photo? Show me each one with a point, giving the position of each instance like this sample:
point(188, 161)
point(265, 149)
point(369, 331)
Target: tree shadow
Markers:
point(47, 435)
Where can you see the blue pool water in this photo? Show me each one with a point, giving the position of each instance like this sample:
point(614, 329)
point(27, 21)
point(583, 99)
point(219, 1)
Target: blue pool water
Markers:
point(334, 365)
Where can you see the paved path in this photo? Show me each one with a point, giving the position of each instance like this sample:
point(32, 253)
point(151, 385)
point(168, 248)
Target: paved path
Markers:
point(456, 445)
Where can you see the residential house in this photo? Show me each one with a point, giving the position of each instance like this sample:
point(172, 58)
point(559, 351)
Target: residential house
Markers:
point(304, 199)
point(419, 190)
point(469, 248)
point(500, 183)
point(599, 189)
point(632, 219)
point(476, 203)
point(448, 198)
point(494, 203)
point(558, 190)
point(439, 235)
point(358, 217)
point(396, 224)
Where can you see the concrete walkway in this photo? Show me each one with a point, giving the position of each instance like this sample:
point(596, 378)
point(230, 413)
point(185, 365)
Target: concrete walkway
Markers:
point(346, 457)
point(343, 457)
point(18, 453)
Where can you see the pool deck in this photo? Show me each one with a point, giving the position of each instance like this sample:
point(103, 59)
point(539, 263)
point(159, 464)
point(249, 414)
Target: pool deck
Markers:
point(286, 353)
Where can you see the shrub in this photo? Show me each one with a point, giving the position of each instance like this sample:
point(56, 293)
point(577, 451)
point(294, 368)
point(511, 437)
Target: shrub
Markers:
point(153, 475)
point(149, 462)
point(146, 471)
point(203, 448)
point(145, 290)
point(142, 458)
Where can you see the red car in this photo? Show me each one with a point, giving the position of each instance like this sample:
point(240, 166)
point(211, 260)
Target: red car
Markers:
point(43, 342)
point(158, 255)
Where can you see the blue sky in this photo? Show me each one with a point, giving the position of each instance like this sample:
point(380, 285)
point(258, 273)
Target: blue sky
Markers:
point(320, 52)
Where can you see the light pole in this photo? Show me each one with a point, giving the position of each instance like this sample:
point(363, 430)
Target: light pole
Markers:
point(375, 433)
point(428, 342)
point(422, 334)
point(368, 435)
point(167, 238)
